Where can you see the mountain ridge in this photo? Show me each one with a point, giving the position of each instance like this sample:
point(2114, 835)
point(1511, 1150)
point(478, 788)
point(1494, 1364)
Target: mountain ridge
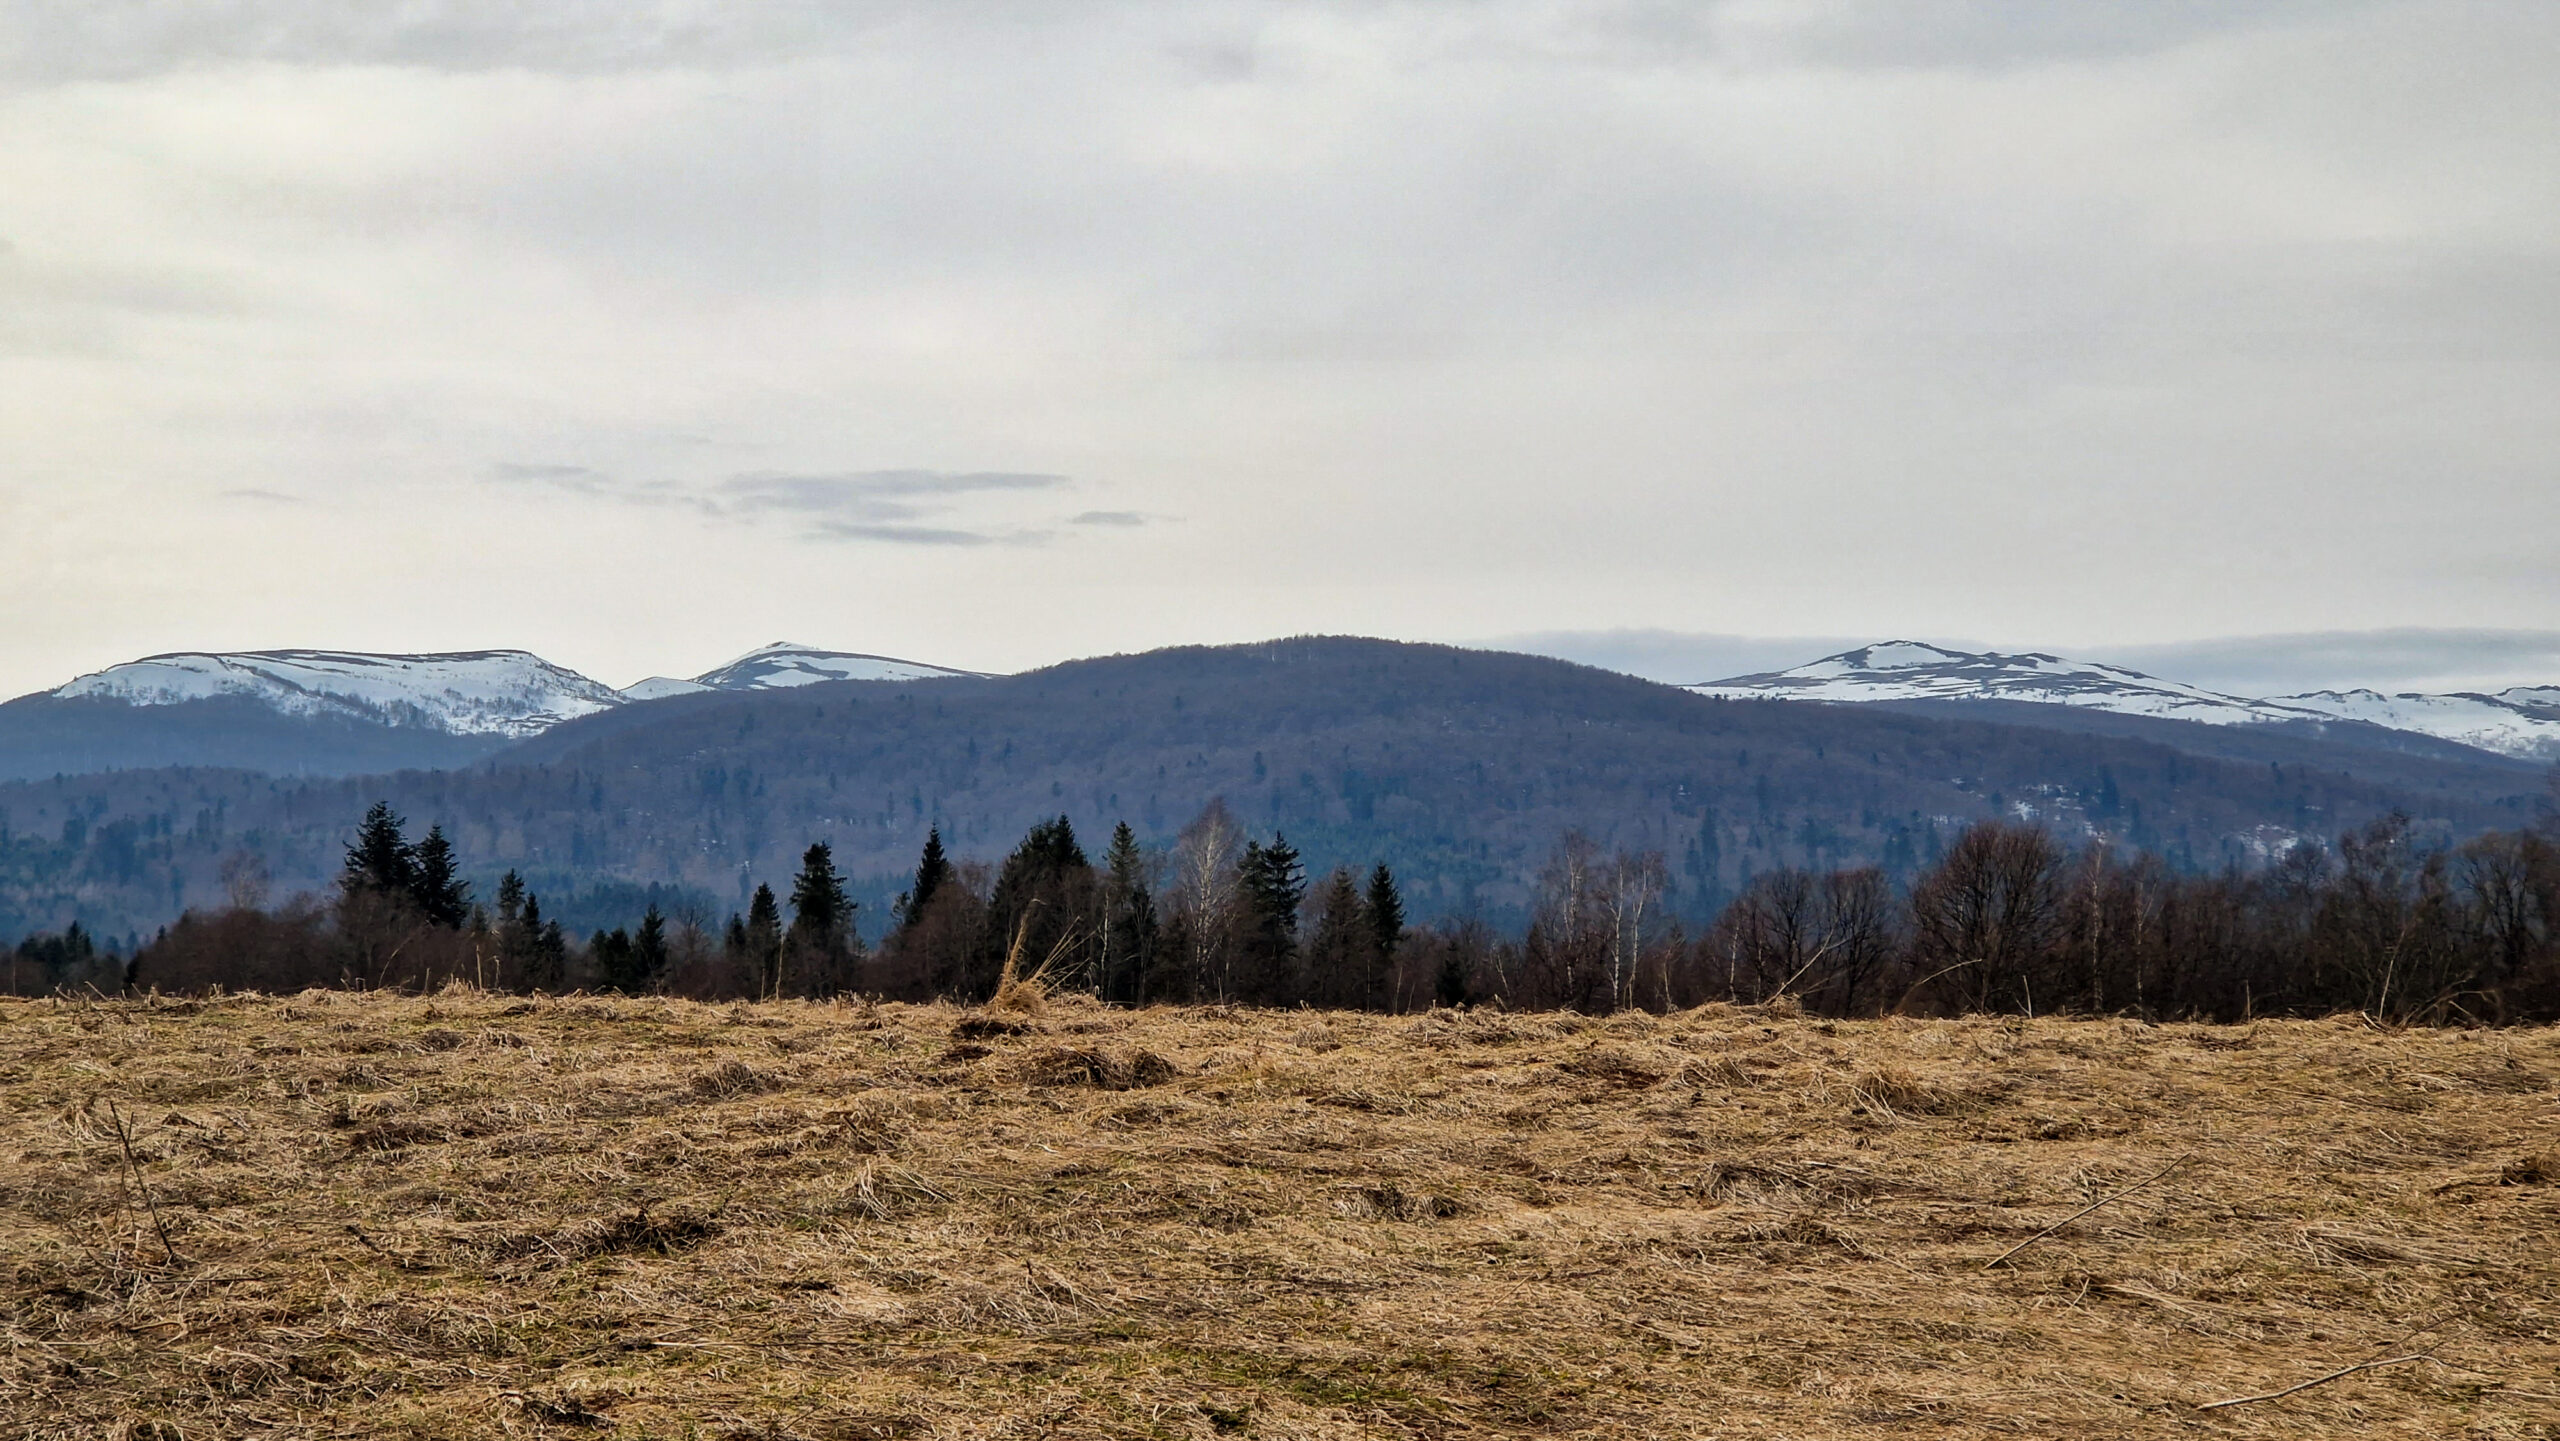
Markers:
point(2518, 723)
point(1458, 768)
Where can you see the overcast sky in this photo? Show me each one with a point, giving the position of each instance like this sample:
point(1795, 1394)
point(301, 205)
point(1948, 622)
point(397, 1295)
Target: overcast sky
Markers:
point(997, 333)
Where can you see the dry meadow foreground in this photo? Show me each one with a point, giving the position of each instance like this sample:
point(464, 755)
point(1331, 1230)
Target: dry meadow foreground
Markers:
point(340, 1215)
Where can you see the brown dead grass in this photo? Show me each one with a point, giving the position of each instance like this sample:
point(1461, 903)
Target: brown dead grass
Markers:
point(480, 1215)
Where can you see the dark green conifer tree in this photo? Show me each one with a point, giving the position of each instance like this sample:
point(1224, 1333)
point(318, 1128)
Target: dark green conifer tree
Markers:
point(550, 951)
point(1338, 968)
point(1273, 884)
point(1046, 897)
point(1386, 935)
point(443, 897)
point(380, 861)
point(821, 944)
point(764, 941)
point(649, 950)
point(932, 870)
point(612, 955)
point(1126, 949)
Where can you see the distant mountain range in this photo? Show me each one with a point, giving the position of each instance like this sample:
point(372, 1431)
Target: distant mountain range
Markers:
point(1460, 768)
point(317, 712)
point(2523, 722)
point(320, 712)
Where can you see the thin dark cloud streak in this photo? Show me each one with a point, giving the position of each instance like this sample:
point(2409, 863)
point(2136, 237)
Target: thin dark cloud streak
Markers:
point(863, 505)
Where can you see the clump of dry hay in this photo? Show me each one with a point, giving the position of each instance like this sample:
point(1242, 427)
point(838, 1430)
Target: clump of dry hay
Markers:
point(331, 1215)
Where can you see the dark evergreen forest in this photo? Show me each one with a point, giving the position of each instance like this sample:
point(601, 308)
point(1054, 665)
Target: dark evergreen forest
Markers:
point(2008, 919)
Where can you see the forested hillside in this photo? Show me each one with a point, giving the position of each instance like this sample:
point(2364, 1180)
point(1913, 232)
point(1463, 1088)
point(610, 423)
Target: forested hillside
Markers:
point(1461, 768)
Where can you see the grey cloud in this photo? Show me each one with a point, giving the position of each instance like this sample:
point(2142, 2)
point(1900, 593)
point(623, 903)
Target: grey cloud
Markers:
point(873, 505)
point(264, 497)
point(51, 43)
point(1657, 311)
point(872, 491)
point(1110, 517)
point(139, 37)
point(921, 534)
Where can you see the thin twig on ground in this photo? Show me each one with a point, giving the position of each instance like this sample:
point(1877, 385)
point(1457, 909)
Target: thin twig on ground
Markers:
point(2085, 1210)
point(124, 1138)
point(2342, 1371)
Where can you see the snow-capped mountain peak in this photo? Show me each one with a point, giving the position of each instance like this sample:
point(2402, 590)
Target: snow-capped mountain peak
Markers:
point(1905, 670)
point(782, 665)
point(2523, 722)
point(480, 692)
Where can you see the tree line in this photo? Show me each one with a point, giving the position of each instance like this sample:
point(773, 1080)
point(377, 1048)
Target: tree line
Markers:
point(2008, 919)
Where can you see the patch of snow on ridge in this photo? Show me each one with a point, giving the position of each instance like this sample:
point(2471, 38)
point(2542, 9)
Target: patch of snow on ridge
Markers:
point(782, 665)
point(2523, 722)
point(481, 692)
point(1910, 670)
point(2526, 728)
point(658, 687)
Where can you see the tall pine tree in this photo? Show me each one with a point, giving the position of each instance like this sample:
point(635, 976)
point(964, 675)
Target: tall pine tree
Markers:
point(1273, 885)
point(821, 943)
point(1045, 897)
point(1386, 934)
point(441, 896)
point(380, 862)
point(649, 949)
point(1128, 940)
point(764, 941)
point(1338, 967)
point(933, 870)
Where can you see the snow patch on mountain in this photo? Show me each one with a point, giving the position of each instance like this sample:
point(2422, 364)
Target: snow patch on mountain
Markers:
point(1911, 670)
point(2522, 722)
point(659, 687)
point(2517, 727)
point(480, 692)
point(783, 665)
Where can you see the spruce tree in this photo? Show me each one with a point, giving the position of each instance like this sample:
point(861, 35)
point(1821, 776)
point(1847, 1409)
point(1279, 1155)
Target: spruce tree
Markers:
point(615, 962)
point(1273, 884)
point(550, 953)
point(738, 971)
point(764, 941)
point(931, 871)
point(381, 861)
point(443, 897)
point(1386, 925)
point(1046, 896)
point(1127, 943)
point(1337, 956)
point(649, 950)
point(821, 938)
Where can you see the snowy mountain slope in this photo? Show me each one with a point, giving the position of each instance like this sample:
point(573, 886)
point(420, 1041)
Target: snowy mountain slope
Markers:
point(2522, 728)
point(1911, 670)
point(2524, 722)
point(782, 665)
point(659, 687)
point(484, 692)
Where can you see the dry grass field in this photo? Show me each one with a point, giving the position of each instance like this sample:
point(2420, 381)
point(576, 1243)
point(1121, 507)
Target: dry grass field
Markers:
point(339, 1215)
